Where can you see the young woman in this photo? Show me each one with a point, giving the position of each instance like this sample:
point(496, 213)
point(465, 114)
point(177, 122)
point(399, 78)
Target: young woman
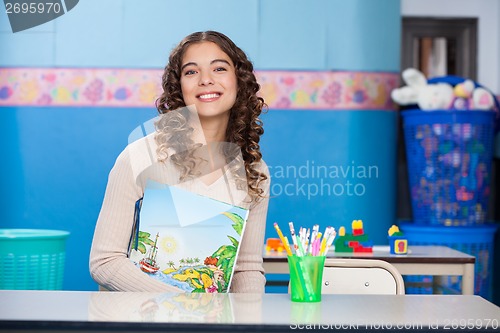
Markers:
point(213, 78)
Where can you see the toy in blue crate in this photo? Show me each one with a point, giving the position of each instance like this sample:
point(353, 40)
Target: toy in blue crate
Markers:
point(445, 93)
point(449, 143)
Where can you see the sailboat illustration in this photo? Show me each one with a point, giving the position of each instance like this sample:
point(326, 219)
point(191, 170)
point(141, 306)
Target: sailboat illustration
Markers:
point(148, 264)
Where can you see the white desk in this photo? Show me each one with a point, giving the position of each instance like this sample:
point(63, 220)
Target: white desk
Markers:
point(421, 260)
point(54, 311)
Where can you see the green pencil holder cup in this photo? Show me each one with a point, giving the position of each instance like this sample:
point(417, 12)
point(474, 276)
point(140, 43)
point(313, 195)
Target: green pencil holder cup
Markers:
point(306, 278)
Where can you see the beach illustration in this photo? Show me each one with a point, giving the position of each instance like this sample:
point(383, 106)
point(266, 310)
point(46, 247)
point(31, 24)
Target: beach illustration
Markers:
point(187, 240)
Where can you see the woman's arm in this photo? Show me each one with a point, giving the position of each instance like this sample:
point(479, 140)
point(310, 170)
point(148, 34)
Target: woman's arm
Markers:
point(110, 266)
point(249, 273)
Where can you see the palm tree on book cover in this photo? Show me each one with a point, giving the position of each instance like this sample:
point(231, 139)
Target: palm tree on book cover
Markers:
point(148, 264)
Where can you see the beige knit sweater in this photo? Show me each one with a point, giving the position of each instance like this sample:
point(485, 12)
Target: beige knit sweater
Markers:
point(109, 264)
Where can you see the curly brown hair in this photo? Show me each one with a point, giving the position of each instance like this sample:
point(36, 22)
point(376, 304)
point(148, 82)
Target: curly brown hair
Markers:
point(244, 127)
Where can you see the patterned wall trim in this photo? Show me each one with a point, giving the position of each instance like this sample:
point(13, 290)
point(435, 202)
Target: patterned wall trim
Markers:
point(311, 90)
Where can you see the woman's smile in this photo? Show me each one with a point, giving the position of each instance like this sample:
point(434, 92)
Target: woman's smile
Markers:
point(209, 97)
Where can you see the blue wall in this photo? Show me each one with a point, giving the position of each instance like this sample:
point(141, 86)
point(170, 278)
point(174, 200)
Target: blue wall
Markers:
point(277, 34)
point(58, 172)
point(57, 158)
point(308, 141)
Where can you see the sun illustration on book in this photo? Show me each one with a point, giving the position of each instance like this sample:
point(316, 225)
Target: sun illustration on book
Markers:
point(169, 244)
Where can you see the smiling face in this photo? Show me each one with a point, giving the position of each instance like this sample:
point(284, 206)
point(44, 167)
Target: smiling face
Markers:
point(208, 80)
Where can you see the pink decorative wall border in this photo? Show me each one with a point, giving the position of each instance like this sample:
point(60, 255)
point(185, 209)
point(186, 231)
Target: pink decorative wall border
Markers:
point(317, 90)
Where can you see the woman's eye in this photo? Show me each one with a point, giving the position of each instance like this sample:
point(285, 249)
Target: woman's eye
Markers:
point(220, 69)
point(190, 72)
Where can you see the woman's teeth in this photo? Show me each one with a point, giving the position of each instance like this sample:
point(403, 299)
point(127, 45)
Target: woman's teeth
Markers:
point(208, 96)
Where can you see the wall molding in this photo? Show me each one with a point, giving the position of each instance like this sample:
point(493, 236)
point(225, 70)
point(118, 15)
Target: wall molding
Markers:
point(108, 87)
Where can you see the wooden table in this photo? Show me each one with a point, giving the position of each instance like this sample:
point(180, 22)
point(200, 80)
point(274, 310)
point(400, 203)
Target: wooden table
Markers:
point(437, 261)
point(77, 311)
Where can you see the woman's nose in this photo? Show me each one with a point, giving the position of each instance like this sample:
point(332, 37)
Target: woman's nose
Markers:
point(205, 79)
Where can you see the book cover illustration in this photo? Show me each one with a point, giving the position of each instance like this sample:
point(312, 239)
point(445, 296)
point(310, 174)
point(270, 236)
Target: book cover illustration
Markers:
point(187, 240)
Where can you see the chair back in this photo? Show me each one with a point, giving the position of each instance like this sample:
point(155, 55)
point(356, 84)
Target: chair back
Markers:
point(361, 276)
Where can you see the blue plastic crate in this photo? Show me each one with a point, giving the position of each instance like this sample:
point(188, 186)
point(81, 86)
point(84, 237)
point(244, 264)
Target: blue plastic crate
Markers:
point(449, 155)
point(477, 241)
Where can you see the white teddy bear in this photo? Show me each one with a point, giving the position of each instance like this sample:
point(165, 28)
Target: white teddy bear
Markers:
point(439, 96)
point(426, 96)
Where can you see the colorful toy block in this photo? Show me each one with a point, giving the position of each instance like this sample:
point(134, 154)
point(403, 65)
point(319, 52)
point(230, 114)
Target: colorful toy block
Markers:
point(398, 243)
point(274, 244)
point(356, 242)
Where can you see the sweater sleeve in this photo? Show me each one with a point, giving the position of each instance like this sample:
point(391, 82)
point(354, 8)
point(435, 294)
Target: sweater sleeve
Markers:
point(109, 264)
point(249, 273)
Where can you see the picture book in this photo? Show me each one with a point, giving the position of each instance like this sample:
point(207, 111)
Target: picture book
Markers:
point(185, 239)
